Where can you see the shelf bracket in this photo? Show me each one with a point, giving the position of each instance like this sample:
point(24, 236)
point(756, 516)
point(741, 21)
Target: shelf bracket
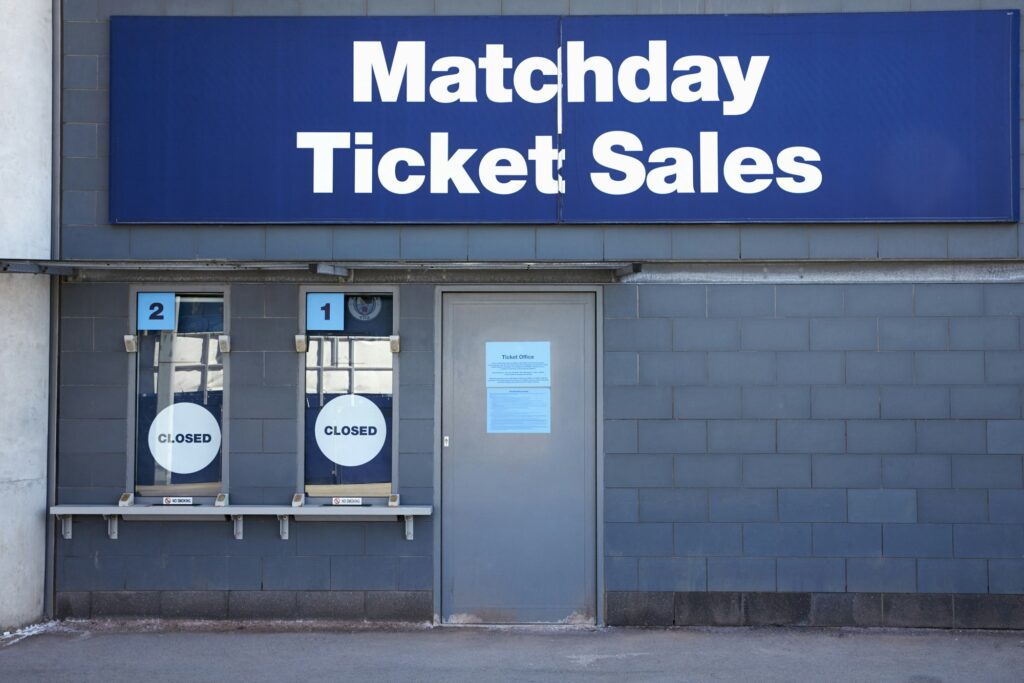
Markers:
point(282, 524)
point(408, 527)
point(111, 526)
point(65, 527)
point(237, 519)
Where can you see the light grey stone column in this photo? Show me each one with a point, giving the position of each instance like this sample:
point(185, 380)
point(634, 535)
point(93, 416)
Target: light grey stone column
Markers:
point(25, 192)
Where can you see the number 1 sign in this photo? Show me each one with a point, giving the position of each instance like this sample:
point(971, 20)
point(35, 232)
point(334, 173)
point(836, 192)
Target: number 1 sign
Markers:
point(156, 311)
point(325, 311)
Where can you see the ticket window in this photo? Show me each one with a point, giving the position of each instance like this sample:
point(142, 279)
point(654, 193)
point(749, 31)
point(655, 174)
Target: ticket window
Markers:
point(349, 394)
point(180, 394)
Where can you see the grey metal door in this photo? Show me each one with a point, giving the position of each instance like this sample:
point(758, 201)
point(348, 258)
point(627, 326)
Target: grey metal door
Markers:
point(518, 458)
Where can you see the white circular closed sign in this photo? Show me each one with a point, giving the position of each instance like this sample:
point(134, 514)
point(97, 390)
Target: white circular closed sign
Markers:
point(184, 438)
point(350, 430)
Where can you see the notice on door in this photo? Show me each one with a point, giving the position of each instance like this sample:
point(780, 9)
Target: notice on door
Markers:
point(518, 411)
point(518, 364)
point(518, 376)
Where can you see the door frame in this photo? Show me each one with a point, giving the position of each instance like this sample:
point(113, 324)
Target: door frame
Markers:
point(598, 292)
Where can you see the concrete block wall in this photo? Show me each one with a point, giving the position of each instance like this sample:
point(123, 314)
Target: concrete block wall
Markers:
point(861, 438)
point(338, 570)
point(746, 454)
point(87, 234)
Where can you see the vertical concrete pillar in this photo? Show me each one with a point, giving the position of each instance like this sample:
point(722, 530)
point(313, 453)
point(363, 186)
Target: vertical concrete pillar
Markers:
point(25, 169)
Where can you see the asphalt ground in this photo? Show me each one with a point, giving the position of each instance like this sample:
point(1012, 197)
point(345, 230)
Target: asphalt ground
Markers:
point(296, 651)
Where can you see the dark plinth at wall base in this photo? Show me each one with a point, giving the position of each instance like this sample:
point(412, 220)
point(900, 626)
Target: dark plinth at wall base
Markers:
point(702, 609)
point(923, 611)
point(911, 610)
point(390, 606)
point(988, 611)
point(638, 608)
point(634, 608)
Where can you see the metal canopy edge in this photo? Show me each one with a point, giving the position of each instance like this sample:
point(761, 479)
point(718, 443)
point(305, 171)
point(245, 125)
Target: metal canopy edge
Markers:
point(626, 272)
point(329, 268)
point(827, 272)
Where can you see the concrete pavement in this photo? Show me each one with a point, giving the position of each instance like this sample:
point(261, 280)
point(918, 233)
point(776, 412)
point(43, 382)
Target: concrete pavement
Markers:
point(252, 651)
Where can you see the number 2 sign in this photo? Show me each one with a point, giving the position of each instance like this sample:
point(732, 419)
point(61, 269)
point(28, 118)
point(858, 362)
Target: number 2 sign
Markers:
point(325, 311)
point(156, 311)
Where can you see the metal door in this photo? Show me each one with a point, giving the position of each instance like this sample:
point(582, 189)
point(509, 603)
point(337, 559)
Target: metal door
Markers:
point(518, 493)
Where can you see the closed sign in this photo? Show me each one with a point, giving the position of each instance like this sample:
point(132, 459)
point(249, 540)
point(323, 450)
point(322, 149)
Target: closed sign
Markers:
point(184, 438)
point(351, 430)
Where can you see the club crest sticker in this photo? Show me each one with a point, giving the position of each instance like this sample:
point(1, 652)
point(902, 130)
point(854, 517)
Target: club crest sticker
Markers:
point(364, 308)
point(184, 438)
point(350, 430)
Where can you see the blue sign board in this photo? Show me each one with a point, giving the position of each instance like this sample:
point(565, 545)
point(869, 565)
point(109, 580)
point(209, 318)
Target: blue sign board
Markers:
point(156, 311)
point(325, 311)
point(899, 117)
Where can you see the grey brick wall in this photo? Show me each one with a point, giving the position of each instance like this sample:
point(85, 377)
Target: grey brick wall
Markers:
point(814, 438)
point(733, 463)
point(86, 233)
point(204, 556)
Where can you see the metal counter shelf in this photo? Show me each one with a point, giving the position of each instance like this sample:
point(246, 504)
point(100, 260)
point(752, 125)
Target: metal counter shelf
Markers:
point(237, 513)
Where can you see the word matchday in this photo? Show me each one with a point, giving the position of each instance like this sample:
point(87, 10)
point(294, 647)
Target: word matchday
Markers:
point(640, 78)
